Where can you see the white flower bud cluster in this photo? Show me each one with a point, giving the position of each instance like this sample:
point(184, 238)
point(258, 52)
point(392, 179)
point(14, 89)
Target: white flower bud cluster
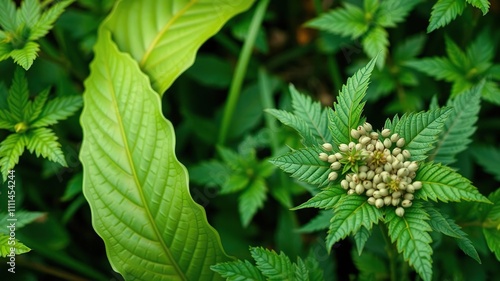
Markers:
point(380, 167)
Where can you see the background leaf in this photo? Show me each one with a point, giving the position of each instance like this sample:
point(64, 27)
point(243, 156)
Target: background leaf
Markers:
point(150, 41)
point(137, 190)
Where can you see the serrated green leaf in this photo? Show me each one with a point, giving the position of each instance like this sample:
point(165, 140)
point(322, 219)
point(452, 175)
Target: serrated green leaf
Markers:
point(151, 42)
point(272, 265)
point(371, 267)
point(300, 271)
point(392, 12)
point(349, 105)
point(8, 15)
point(482, 49)
point(440, 68)
point(5, 49)
point(305, 165)
point(456, 55)
point(251, 200)
point(137, 189)
point(18, 95)
point(56, 110)
point(375, 43)
point(442, 183)
point(25, 56)
point(459, 126)
point(212, 173)
point(230, 157)
point(421, 130)
point(5, 246)
point(483, 5)
point(28, 13)
point(326, 199)
point(35, 107)
point(350, 214)
point(443, 12)
point(488, 157)
point(346, 21)
point(295, 123)
point(235, 183)
point(315, 271)
point(360, 239)
point(411, 234)
point(47, 19)
point(6, 120)
point(312, 114)
point(10, 150)
point(320, 222)
point(43, 141)
point(410, 48)
point(442, 223)
point(491, 225)
point(491, 92)
point(22, 217)
point(238, 271)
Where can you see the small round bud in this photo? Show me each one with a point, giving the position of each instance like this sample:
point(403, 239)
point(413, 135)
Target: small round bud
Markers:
point(361, 130)
point(396, 194)
point(389, 158)
point(400, 157)
point(379, 146)
point(327, 146)
point(413, 167)
point(364, 140)
point(369, 192)
point(417, 185)
point(400, 211)
point(350, 192)
point(368, 127)
point(363, 168)
point(332, 176)
point(323, 156)
point(409, 196)
point(343, 147)
point(379, 203)
point(360, 189)
point(403, 185)
point(379, 170)
point(385, 133)
point(400, 142)
point(387, 143)
point(331, 158)
point(395, 201)
point(371, 201)
point(406, 153)
point(370, 147)
point(387, 200)
point(410, 188)
point(338, 155)
point(383, 192)
point(362, 175)
point(396, 151)
point(335, 165)
point(344, 184)
point(395, 137)
point(374, 135)
point(403, 172)
point(352, 185)
point(406, 203)
point(370, 174)
point(376, 194)
point(355, 178)
point(355, 134)
point(381, 186)
point(359, 146)
point(387, 167)
point(377, 179)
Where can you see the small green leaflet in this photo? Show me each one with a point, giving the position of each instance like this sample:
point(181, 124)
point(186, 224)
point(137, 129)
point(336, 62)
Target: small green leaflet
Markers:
point(491, 225)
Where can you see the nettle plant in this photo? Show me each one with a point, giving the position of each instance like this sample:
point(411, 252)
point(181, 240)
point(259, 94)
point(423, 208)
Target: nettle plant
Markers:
point(393, 176)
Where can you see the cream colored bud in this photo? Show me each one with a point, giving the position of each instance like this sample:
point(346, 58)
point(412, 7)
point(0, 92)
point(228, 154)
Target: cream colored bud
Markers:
point(410, 188)
point(396, 194)
point(385, 133)
point(332, 158)
point(379, 203)
point(387, 143)
point(361, 130)
point(335, 165)
point(360, 189)
point(389, 158)
point(403, 172)
point(383, 192)
point(387, 200)
point(364, 140)
point(368, 127)
point(367, 184)
point(359, 146)
point(406, 153)
point(363, 168)
point(413, 167)
point(371, 201)
point(374, 135)
point(403, 185)
point(376, 194)
point(401, 158)
point(355, 134)
point(400, 143)
point(379, 170)
point(345, 184)
point(400, 211)
point(370, 147)
point(343, 147)
point(406, 164)
point(362, 175)
point(370, 174)
point(396, 151)
point(379, 146)
point(417, 185)
point(409, 196)
point(332, 176)
point(338, 155)
point(381, 186)
point(376, 179)
point(351, 191)
point(369, 192)
point(395, 201)
point(406, 203)
point(323, 156)
point(327, 146)
point(387, 167)
point(351, 145)
point(352, 185)
point(395, 137)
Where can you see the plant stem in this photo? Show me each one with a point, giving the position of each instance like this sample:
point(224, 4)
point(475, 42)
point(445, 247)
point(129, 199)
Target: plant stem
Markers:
point(241, 68)
point(391, 253)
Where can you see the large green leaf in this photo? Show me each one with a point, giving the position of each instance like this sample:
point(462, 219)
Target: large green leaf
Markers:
point(137, 190)
point(163, 36)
